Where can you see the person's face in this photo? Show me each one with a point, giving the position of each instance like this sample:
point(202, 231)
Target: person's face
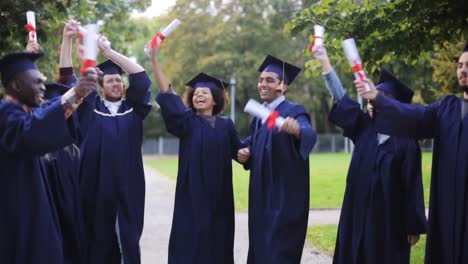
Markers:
point(268, 83)
point(29, 87)
point(112, 87)
point(462, 71)
point(203, 101)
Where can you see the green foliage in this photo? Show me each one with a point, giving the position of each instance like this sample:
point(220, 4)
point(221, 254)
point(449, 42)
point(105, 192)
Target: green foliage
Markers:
point(50, 20)
point(230, 40)
point(399, 33)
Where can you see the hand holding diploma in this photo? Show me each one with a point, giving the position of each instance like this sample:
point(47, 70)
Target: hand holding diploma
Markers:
point(158, 39)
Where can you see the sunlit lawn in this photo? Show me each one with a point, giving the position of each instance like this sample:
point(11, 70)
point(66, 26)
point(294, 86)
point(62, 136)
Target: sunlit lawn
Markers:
point(327, 184)
point(327, 178)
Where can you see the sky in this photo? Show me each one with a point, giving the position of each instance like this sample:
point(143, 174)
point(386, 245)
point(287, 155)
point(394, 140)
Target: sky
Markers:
point(157, 8)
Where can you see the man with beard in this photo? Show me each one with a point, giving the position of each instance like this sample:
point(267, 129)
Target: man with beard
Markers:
point(445, 121)
point(29, 231)
point(112, 181)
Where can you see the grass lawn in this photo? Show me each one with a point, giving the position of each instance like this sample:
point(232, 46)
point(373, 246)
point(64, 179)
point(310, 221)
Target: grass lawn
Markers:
point(327, 178)
point(322, 237)
point(327, 183)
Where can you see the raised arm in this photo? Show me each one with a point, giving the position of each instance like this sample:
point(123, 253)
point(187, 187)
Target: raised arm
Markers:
point(158, 74)
point(332, 81)
point(123, 61)
point(399, 119)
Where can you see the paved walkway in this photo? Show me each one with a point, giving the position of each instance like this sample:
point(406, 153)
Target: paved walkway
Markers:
point(158, 218)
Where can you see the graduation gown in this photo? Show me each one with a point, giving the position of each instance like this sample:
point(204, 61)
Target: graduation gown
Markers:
point(447, 238)
point(29, 228)
point(279, 189)
point(203, 221)
point(383, 201)
point(112, 181)
point(62, 167)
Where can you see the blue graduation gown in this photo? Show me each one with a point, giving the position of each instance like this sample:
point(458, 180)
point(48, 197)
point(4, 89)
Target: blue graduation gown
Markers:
point(279, 189)
point(112, 179)
point(383, 201)
point(203, 222)
point(447, 238)
point(29, 228)
point(62, 167)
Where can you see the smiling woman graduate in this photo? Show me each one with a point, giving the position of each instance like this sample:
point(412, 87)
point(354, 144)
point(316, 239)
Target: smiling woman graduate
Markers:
point(203, 221)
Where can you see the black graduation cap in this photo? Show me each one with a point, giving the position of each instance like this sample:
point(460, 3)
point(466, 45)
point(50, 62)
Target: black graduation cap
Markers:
point(392, 85)
point(205, 80)
point(14, 63)
point(286, 70)
point(54, 89)
point(465, 49)
point(109, 67)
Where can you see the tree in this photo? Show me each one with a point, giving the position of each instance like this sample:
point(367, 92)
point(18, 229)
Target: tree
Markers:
point(399, 33)
point(50, 18)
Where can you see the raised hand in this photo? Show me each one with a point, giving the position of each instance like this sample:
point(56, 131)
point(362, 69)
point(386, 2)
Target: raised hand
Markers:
point(361, 88)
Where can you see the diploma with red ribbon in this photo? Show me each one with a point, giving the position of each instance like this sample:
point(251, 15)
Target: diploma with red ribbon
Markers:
point(319, 32)
point(160, 36)
point(351, 52)
point(271, 118)
point(31, 25)
point(90, 46)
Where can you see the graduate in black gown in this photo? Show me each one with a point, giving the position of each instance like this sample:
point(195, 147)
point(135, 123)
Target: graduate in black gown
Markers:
point(203, 222)
point(278, 160)
point(445, 121)
point(29, 226)
point(63, 165)
point(383, 208)
point(112, 179)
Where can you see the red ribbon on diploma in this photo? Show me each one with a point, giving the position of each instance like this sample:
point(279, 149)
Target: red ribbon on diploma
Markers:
point(32, 29)
point(154, 40)
point(312, 44)
point(358, 68)
point(271, 119)
point(86, 64)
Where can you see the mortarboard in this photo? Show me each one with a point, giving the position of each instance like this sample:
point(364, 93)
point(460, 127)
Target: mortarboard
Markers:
point(286, 70)
point(14, 63)
point(55, 89)
point(204, 80)
point(392, 85)
point(465, 49)
point(109, 67)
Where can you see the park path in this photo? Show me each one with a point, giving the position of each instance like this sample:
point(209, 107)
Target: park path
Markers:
point(159, 206)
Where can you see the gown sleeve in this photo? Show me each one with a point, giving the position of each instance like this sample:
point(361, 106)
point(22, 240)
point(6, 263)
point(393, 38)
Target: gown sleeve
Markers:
point(405, 120)
point(175, 114)
point(138, 93)
point(45, 130)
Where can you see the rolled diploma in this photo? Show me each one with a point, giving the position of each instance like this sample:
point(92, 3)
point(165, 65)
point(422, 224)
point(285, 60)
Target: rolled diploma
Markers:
point(258, 110)
point(31, 20)
point(166, 32)
point(351, 52)
point(319, 32)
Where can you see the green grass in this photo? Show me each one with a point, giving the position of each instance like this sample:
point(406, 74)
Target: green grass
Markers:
point(327, 178)
point(322, 237)
point(327, 184)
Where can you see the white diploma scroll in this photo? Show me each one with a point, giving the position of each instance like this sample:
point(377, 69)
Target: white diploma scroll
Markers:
point(260, 111)
point(31, 25)
point(351, 52)
point(90, 43)
point(159, 37)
